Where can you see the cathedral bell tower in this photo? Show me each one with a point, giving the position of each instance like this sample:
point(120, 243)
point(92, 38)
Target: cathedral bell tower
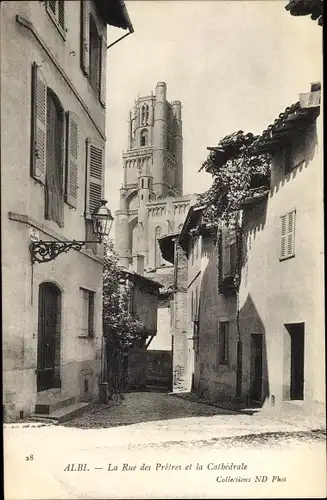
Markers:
point(152, 171)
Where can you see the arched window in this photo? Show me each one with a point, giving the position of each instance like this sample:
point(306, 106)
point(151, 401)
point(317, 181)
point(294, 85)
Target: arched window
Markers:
point(145, 114)
point(157, 254)
point(144, 138)
point(142, 183)
point(54, 196)
point(148, 183)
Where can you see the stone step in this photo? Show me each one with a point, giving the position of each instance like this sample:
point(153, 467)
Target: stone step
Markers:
point(62, 414)
point(157, 388)
point(48, 404)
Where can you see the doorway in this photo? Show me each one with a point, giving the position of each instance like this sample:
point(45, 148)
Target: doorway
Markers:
point(256, 368)
point(49, 337)
point(296, 332)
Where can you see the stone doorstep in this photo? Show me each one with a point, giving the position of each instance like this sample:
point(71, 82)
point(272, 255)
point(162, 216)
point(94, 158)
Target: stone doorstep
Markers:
point(63, 414)
point(48, 404)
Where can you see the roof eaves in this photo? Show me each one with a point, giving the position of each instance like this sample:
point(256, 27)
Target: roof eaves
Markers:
point(114, 13)
point(299, 113)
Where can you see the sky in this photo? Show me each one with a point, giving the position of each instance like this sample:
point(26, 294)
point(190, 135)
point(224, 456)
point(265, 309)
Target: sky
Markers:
point(234, 65)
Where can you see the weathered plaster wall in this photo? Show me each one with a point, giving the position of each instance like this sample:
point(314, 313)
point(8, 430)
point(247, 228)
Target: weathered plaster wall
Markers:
point(273, 292)
point(24, 197)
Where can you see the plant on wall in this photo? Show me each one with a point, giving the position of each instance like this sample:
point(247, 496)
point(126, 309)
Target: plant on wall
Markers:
point(121, 329)
point(238, 171)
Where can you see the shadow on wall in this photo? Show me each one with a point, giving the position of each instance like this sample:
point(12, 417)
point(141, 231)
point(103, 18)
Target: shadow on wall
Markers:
point(255, 377)
point(254, 221)
point(215, 351)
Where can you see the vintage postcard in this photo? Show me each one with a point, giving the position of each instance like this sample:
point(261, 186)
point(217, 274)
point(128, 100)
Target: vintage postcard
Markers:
point(163, 249)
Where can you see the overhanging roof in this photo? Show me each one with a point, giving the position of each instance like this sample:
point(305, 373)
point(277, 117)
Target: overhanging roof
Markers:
point(136, 277)
point(167, 246)
point(114, 13)
point(191, 221)
point(294, 118)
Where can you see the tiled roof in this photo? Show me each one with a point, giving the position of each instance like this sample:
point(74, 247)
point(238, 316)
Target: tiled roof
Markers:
point(291, 119)
point(166, 280)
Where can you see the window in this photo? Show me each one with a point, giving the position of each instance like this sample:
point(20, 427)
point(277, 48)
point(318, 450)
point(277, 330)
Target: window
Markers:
point(145, 115)
point(48, 148)
point(148, 183)
point(87, 313)
point(94, 56)
point(94, 186)
point(223, 343)
point(157, 256)
point(287, 238)
point(144, 138)
point(54, 196)
point(93, 52)
point(228, 252)
point(56, 10)
point(192, 306)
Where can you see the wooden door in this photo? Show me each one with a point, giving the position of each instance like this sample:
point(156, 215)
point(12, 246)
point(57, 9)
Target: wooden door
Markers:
point(48, 355)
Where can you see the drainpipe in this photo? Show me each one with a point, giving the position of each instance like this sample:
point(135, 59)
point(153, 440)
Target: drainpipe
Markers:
point(239, 365)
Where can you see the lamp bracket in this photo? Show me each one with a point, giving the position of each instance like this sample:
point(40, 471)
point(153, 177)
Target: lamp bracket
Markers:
point(45, 251)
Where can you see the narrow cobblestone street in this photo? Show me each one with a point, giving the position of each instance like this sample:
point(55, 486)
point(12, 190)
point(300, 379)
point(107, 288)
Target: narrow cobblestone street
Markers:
point(139, 407)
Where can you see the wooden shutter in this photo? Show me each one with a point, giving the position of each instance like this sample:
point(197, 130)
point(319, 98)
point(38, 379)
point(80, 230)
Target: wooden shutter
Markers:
point(94, 181)
point(61, 14)
point(228, 240)
point(290, 233)
point(103, 71)
point(72, 160)
point(85, 37)
point(283, 237)
point(52, 7)
point(39, 125)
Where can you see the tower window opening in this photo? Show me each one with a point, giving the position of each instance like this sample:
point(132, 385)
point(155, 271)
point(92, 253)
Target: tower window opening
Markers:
point(144, 138)
point(148, 183)
point(145, 114)
point(142, 183)
point(141, 196)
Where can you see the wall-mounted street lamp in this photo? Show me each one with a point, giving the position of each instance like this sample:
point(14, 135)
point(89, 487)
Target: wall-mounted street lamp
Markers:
point(45, 251)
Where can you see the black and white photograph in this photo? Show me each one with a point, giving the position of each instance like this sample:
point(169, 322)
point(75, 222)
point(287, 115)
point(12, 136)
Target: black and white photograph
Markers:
point(162, 249)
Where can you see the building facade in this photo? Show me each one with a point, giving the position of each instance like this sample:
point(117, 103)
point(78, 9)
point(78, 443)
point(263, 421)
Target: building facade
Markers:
point(281, 292)
point(259, 339)
point(53, 75)
point(151, 197)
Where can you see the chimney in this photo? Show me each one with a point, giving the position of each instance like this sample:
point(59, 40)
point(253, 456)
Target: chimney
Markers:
point(138, 264)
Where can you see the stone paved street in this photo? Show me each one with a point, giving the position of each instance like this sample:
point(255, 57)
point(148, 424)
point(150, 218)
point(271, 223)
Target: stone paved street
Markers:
point(139, 407)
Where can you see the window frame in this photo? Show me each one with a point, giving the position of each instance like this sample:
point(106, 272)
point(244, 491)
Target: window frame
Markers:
point(99, 38)
point(54, 16)
point(286, 236)
point(60, 148)
point(90, 333)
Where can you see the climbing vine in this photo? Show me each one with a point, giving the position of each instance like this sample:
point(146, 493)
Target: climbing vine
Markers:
point(238, 171)
point(121, 329)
